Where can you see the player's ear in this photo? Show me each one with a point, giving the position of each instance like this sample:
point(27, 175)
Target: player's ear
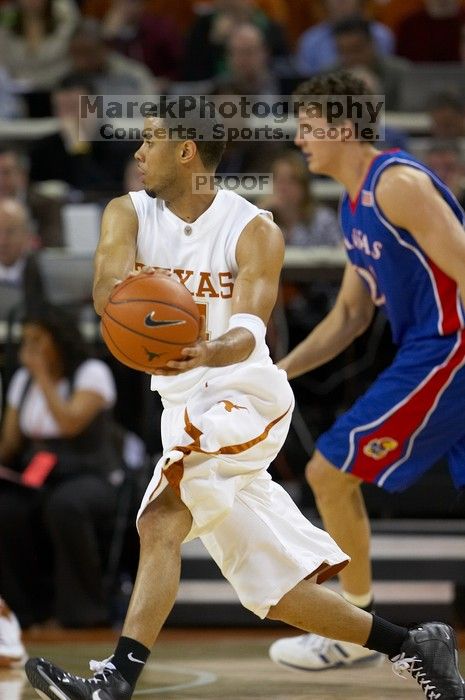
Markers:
point(188, 151)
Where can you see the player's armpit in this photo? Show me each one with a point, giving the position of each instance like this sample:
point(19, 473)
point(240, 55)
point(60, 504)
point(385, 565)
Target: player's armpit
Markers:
point(259, 256)
point(409, 200)
point(116, 251)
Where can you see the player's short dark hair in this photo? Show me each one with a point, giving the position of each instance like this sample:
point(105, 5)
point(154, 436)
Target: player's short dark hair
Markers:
point(355, 24)
point(210, 151)
point(337, 83)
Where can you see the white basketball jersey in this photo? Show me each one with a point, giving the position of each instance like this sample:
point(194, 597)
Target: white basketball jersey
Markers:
point(203, 255)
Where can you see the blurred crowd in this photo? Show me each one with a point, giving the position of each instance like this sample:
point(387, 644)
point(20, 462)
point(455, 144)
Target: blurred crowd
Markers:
point(51, 51)
point(55, 179)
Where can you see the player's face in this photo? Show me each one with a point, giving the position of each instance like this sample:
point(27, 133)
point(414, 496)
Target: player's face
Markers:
point(318, 149)
point(156, 158)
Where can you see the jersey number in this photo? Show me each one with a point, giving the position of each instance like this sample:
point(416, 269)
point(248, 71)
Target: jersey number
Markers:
point(203, 311)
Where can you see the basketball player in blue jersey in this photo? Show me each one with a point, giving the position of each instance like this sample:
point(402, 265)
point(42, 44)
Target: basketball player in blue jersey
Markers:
point(226, 414)
point(405, 240)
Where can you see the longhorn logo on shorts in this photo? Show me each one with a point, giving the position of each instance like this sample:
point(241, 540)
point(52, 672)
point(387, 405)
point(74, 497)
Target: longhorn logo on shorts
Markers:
point(380, 447)
point(228, 406)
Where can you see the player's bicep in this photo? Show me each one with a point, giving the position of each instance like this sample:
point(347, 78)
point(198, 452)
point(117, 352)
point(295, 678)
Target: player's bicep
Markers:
point(260, 256)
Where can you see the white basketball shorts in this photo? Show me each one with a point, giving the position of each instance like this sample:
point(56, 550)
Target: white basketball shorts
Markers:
point(217, 448)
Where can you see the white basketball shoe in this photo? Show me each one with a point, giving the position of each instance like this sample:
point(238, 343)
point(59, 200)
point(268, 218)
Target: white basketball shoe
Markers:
point(310, 652)
point(12, 652)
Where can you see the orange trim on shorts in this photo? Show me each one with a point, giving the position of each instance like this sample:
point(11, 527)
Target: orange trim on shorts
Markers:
point(195, 434)
point(328, 571)
point(174, 474)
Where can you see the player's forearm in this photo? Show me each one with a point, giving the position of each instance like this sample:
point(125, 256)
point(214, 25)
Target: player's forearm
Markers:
point(234, 346)
point(102, 291)
point(329, 338)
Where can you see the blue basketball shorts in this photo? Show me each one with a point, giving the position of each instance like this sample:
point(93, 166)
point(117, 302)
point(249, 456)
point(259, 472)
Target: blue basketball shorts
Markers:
point(412, 415)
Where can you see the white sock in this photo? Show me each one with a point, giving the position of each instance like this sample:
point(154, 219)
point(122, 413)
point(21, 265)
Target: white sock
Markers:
point(361, 601)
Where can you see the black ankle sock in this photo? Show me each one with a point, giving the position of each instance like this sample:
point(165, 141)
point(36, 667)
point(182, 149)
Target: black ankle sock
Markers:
point(129, 659)
point(386, 637)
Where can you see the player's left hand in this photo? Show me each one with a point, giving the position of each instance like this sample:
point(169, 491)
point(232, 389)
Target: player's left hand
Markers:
point(195, 355)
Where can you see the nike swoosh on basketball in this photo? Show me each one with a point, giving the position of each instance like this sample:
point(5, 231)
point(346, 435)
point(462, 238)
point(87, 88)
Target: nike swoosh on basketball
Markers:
point(153, 323)
point(133, 658)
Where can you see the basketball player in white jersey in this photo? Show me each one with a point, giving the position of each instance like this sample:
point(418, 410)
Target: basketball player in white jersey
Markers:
point(226, 414)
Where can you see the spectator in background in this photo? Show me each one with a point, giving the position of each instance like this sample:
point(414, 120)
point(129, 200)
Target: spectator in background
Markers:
point(447, 112)
point(109, 72)
point(356, 48)
point(317, 49)
point(248, 62)
point(206, 42)
point(446, 160)
point(56, 422)
point(302, 220)
point(18, 267)
point(34, 39)
point(392, 12)
point(307, 224)
point(144, 36)
point(45, 210)
point(433, 32)
point(87, 165)
point(10, 105)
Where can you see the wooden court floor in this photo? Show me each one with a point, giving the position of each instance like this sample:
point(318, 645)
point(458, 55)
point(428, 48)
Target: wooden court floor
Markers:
point(219, 665)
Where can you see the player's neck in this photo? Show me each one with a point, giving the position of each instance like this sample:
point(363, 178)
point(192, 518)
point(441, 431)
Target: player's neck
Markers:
point(189, 206)
point(351, 169)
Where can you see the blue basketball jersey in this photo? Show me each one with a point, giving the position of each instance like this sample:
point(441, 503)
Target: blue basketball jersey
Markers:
point(419, 299)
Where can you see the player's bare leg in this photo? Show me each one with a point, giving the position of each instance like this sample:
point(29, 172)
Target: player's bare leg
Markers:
point(342, 508)
point(313, 608)
point(162, 528)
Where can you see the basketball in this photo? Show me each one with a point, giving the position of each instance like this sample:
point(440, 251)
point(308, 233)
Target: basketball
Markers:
point(148, 319)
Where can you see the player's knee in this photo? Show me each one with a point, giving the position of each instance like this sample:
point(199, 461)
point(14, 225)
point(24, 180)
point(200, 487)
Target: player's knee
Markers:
point(324, 479)
point(165, 519)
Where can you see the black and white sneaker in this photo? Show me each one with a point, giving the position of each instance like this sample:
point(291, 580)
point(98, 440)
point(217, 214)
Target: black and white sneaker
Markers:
point(430, 655)
point(49, 681)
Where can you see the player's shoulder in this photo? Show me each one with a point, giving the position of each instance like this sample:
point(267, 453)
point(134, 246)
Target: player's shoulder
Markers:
point(122, 204)
point(402, 182)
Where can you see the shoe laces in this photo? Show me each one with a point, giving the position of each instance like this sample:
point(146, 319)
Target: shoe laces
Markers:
point(402, 664)
point(101, 669)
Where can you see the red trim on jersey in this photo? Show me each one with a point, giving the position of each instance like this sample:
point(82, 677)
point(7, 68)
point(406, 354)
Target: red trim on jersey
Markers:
point(353, 203)
point(447, 292)
point(403, 423)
